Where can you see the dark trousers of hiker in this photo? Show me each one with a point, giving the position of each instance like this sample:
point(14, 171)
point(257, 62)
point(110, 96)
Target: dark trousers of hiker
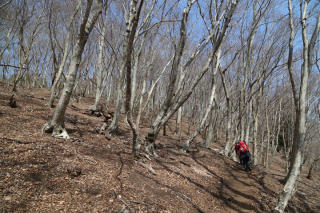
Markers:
point(245, 160)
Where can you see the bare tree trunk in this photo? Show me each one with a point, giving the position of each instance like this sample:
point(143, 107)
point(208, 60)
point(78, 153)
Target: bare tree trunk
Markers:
point(143, 91)
point(25, 45)
point(100, 76)
point(137, 59)
point(56, 124)
point(211, 102)
point(172, 79)
point(131, 31)
point(179, 115)
point(255, 138)
point(113, 128)
point(53, 49)
point(248, 127)
point(22, 48)
point(256, 117)
point(286, 151)
point(276, 139)
point(300, 129)
point(153, 86)
point(245, 129)
point(229, 114)
point(210, 132)
point(135, 71)
point(262, 145)
point(64, 58)
point(178, 122)
point(268, 142)
point(173, 103)
point(310, 173)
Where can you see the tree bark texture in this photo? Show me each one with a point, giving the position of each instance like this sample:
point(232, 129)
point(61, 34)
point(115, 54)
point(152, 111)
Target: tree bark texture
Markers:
point(130, 35)
point(64, 58)
point(56, 124)
point(211, 101)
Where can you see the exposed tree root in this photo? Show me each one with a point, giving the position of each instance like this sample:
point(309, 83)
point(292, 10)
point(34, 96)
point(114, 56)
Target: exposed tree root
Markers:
point(58, 131)
point(185, 148)
point(150, 149)
point(113, 130)
point(148, 167)
point(149, 145)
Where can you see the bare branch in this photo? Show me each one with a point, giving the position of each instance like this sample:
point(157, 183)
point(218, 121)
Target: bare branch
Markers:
point(5, 4)
point(317, 65)
point(9, 65)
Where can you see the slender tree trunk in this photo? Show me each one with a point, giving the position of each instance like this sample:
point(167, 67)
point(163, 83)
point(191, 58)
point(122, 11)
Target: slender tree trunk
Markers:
point(268, 143)
point(276, 139)
point(262, 145)
point(100, 76)
point(313, 164)
point(245, 129)
point(178, 122)
point(229, 115)
point(64, 58)
point(255, 138)
point(23, 51)
point(113, 128)
point(152, 135)
point(143, 91)
point(56, 124)
point(179, 115)
point(53, 50)
point(286, 150)
point(172, 104)
point(248, 127)
point(210, 132)
point(256, 122)
point(131, 31)
point(211, 102)
point(137, 59)
point(300, 129)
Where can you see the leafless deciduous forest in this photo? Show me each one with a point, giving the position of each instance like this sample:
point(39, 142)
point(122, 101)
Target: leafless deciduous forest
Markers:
point(203, 71)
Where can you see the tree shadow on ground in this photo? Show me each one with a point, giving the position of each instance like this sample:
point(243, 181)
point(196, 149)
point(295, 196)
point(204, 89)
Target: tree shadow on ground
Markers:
point(232, 203)
point(229, 200)
point(179, 194)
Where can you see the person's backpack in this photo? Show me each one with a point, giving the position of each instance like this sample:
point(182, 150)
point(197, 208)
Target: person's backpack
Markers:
point(242, 147)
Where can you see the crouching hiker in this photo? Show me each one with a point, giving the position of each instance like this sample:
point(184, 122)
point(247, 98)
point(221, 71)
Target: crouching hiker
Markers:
point(243, 153)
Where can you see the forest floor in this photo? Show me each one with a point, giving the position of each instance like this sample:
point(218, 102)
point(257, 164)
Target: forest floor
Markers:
point(88, 173)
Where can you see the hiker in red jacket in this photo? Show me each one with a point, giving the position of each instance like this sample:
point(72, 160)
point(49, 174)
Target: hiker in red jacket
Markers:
point(243, 152)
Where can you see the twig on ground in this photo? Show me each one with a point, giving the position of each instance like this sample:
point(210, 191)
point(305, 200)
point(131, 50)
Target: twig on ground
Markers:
point(147, 167)
point(184, 197)
point(146, 156)
point(16, 140)
point(139, 202)
point(117, 196)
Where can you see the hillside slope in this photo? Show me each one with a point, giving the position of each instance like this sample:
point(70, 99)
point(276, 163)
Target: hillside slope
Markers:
point(89, 173)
